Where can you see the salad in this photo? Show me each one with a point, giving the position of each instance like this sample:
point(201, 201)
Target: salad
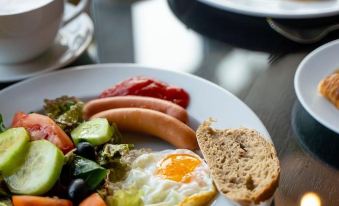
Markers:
point(73, 153)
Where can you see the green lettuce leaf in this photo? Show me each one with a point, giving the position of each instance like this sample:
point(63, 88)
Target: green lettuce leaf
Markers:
point(66, 111)
point(3, 188)
point(90, 171)
point(56, 107)
point(5, 202)
point(117, 137)
point(125, 198)
point(111, 153)
point(117, 172)
point(2, 125)
point(110, 157)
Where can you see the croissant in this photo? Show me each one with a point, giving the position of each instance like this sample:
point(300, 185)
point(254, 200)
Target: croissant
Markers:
point(329, 88)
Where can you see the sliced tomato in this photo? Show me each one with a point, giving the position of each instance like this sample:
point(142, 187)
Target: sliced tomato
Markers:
point(43, 127)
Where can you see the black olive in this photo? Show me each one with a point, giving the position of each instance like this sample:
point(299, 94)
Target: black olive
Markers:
point(85, 149)
point(78, 190)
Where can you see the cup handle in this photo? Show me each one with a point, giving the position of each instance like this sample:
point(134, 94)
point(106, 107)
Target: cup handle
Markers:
point(82, 5)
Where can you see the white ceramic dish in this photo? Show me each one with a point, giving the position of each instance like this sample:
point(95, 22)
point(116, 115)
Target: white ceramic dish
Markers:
point(86, 82)
point(279, 8)
point(72, 41)
point(316, 66)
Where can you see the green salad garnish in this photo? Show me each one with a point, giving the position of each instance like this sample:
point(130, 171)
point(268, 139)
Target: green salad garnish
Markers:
point(117, 137)
point(66, 111)
point(110, 157)
point(125, 198)
point(112, 153)
point(5, 202)
point(2, 125)
point(90, 171)
point(3, 188)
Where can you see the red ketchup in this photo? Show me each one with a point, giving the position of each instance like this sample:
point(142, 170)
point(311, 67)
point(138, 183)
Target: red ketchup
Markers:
point(145, 86)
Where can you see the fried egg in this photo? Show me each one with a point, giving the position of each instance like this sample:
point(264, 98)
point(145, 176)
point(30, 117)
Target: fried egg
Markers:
point(171, 177)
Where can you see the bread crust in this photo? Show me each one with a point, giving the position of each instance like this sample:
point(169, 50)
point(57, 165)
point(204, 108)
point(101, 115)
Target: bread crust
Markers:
point(223, 149)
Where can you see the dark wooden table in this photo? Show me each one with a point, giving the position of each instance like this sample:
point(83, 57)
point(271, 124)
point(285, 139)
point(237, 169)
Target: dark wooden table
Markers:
point(258, 69)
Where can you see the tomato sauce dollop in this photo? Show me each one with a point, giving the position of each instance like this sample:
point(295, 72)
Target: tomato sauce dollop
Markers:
point(145, 86)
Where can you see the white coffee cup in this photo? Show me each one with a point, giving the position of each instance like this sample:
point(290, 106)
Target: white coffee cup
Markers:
point(26, 33)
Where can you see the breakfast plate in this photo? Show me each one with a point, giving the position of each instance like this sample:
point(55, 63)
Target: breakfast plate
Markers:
point(86, 82)
point(315, 67)
point(278, 8)
point(72, 40)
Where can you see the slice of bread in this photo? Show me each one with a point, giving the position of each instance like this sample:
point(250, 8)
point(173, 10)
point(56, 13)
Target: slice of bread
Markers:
point(243, 164)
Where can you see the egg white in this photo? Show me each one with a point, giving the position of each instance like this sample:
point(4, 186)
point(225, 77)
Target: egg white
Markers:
point(158, 191)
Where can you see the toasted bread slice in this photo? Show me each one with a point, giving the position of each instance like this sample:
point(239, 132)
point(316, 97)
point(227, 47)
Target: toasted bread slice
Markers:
point(243, 164)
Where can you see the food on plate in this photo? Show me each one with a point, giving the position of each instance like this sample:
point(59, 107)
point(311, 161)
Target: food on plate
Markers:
point(117, 158)
point(86, 150)
point(96, 131)
point(42, 127)
point(98, 105)
point(2, 126)
point(39, 171)
point(24, 200)
point(13, 145)
point(78, 190)
point(96, 163)
point(243, 164)
point(329, 88)
point(152, 122)
point(5, 202)
point(4, 192)
point(66, 111)
point(90, 171)
point(110, 154)
point(123, 197)
point(146, 86)
point(95, 168)
point(169, 177)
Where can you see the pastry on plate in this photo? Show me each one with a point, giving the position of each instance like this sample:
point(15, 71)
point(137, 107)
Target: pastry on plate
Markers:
point(329, 88)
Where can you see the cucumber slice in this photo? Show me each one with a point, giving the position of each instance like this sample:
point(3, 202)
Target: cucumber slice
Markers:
point(40, 170)
point(96, 131)
point(13, 146)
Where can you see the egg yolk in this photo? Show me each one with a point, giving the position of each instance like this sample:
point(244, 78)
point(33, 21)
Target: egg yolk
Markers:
point(178, 167)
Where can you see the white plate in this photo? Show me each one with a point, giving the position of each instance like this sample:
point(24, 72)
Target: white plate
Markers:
point(206, 99)
point(279, 8)
point(315, 67)
point(71, 42)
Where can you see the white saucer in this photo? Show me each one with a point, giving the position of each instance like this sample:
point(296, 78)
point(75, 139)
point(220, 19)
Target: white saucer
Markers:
point(315, 67)
point(72, 40)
